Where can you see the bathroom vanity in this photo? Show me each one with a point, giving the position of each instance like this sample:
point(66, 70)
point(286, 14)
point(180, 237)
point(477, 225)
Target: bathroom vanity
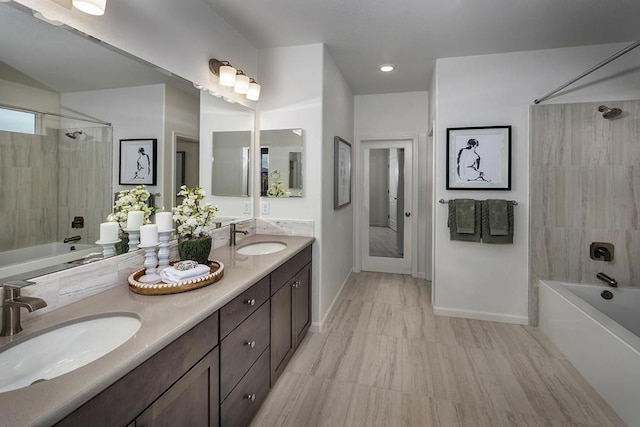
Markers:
point(205, 357)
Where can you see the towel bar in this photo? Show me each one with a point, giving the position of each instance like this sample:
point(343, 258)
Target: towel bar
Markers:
point(443, 201)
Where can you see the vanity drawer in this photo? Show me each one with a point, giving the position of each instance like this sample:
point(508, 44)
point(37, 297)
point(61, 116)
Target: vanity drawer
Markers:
point(233, 313)
point(240, 349)
point(282, 274)
point(244, 401)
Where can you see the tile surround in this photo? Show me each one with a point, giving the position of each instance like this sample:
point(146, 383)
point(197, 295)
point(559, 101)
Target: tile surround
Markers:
point(585, 187)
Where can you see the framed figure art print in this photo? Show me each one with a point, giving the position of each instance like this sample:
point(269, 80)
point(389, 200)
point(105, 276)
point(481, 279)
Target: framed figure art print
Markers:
point(138, 161)
point(341, 173)
point(479, 158)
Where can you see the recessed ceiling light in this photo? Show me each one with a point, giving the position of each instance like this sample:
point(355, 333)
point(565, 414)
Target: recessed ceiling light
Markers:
point(385, 68)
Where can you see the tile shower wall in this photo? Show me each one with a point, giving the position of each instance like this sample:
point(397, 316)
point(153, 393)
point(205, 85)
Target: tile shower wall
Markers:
point(585, 187)
point(28, 189)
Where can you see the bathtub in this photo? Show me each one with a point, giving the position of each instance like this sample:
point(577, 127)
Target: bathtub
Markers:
point(599, 337)
point(19, 261)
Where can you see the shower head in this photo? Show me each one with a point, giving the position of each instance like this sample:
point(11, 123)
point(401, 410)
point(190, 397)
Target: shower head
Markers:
point(609, 113)
point(74, 135)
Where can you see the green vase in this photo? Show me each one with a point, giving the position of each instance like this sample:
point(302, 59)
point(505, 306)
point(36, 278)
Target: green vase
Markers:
point(195, 249)
point(122, 247)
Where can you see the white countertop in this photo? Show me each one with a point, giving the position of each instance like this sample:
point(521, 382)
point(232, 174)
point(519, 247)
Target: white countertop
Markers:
point(164, 318)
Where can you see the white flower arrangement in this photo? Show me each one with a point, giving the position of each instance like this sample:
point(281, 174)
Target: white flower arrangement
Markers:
point(193, 218)
point(131, 200)
point(277, 190)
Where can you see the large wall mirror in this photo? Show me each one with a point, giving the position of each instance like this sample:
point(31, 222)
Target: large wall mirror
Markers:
point(60, 171)
point(281, 163)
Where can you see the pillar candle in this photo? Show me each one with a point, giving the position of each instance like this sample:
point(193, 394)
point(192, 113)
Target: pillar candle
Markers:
point(108, 231)
point(148, 235)
point(135, 219)
point(164, 220)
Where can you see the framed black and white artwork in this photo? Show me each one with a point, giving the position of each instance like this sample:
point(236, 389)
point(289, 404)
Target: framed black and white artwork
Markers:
point(479, 158)
point(138, 161)
point(341, 173)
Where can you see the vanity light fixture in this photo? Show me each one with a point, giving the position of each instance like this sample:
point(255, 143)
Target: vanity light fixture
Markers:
point(231, 77)
point(242, 83)
point(386, 68)
point(92, 7)
point(253, 93)
point(46, 19)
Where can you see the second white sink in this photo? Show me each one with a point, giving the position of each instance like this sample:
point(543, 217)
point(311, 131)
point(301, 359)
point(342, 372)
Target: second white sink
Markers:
point(261, 248)
point(64, 348)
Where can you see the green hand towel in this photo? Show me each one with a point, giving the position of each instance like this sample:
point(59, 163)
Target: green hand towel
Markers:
point(487, 236)
point(498, 218)
point(465, 216)
point(453, 226)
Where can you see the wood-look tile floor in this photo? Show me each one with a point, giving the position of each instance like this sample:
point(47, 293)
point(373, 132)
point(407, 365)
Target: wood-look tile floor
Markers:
point(384, 359)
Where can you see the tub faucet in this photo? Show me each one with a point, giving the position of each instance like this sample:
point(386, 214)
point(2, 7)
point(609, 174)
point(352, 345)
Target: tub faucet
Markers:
point(72, 239)
point(233, 232)
point(11, 306)
point(608, 280)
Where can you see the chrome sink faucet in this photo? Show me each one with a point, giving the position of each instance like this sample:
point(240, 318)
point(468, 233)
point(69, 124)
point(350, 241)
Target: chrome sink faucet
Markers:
point(11, 306)
point(233, 232)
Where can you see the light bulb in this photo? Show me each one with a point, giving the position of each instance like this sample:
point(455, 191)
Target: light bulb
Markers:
point(253, 94)
point(92, 7)
point(227, 75)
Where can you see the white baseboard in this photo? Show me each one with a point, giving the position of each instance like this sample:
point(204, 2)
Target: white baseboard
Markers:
point(481, 315)
point(317, 326)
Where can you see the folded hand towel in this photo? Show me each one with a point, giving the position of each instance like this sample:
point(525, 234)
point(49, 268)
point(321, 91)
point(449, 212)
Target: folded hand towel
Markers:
point(488, 234)
point(465, 216)
point(453, 226)
point(498, 217)
point(171, 275)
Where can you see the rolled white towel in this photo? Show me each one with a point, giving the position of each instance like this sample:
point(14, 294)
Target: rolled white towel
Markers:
point(171, 275)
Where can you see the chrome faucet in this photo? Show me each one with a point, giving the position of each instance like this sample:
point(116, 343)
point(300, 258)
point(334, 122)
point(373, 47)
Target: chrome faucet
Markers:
point(72, 239)
point(233, 232)
point(608, 280)
point(11, 306)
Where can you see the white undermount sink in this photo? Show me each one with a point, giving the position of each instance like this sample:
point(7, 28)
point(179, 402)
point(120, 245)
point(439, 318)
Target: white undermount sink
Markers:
point(64, 348)
point(261, 248)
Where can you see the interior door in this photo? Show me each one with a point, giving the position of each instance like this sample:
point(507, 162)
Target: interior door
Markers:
point(387, 248)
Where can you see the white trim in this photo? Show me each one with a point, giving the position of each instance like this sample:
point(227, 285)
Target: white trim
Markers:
point(317, 326)
point(171, 197)
point(481, 315)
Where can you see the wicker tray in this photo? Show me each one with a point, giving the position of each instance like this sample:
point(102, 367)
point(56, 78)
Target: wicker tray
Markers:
point(217, 271)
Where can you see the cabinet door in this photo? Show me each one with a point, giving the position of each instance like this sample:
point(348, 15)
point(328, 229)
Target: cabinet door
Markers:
point(302, 304)
point(281, 329)
point(192, 401)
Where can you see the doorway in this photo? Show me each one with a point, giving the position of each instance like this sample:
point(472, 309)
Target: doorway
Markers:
point(386, 217)
point(187, 164)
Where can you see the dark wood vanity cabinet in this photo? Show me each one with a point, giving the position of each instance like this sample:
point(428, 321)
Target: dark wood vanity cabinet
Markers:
point(219, 372)
point(290, 309)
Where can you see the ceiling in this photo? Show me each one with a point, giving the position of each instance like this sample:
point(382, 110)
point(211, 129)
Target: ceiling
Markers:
point(362, 34)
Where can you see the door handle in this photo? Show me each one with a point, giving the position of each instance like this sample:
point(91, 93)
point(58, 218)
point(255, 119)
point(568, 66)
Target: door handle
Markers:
point(407, 214)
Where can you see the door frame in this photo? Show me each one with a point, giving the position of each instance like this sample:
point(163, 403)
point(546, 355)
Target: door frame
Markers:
point(174, 146)
point(361, 144)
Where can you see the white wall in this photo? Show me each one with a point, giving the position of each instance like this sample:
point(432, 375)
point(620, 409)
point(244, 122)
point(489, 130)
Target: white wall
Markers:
point(135, 112)
point(291, 97)
point(491, 281)
point(401, 114)
point(29, 97)
point(337, 225)
point(180, 36)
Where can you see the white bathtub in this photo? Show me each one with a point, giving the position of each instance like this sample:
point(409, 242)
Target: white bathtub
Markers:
point(19, 261)
point(598, 337)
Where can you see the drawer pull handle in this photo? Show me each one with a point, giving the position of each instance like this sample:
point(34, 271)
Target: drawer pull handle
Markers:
point(296, 284)
point(251, 344)
point(251, 397)
point(251, 302)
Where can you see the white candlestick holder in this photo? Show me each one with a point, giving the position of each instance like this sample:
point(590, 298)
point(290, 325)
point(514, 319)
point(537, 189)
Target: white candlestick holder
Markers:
point(150, 262)
point(134, 238)
point(108, 248)
point(163, 252)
